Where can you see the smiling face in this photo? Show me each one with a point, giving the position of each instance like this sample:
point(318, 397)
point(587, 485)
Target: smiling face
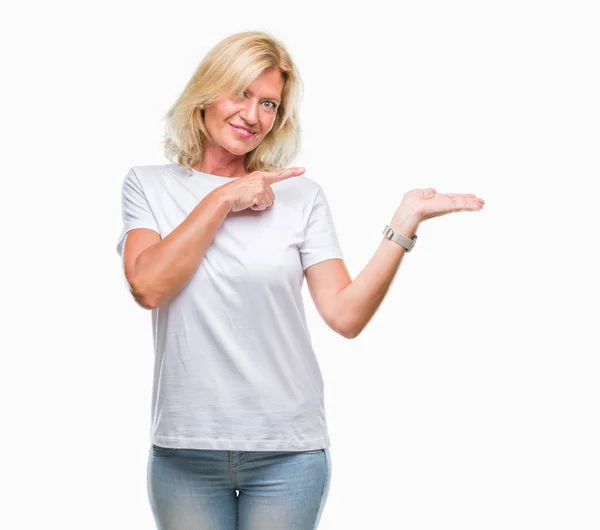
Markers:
point(237, 124)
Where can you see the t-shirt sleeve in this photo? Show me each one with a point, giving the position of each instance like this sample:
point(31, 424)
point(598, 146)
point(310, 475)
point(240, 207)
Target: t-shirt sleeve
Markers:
point(320, 237)
point(135, 208)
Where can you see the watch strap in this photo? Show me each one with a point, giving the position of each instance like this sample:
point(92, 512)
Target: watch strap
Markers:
point(403, 241)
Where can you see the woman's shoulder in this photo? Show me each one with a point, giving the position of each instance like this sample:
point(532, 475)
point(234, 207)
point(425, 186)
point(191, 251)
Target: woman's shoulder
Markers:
point(157, 174)
point(160, 169)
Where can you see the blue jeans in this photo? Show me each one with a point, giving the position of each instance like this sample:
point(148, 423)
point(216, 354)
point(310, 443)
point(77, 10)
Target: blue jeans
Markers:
point(196, 489)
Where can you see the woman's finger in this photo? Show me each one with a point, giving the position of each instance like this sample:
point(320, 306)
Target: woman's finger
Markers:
point(275, 176)
point(460, 195)
point(464, 202)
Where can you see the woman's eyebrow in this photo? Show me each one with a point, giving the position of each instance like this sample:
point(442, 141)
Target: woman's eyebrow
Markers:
point(268, 97)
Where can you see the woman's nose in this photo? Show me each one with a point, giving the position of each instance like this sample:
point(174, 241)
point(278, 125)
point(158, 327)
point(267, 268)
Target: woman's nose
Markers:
point(250, 112)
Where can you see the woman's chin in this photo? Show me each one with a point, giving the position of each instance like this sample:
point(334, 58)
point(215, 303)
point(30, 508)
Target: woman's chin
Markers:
point(239, 150)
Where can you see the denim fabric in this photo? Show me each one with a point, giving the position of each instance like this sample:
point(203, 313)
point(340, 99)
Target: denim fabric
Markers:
point(197, 489)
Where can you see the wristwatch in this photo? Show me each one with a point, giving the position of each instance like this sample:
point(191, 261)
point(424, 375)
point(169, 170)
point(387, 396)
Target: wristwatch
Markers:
point(403, 241)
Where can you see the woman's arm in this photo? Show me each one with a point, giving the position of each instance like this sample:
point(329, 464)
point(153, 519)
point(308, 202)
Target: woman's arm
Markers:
point(347, 306)
point(162, 270)
point(358, 301)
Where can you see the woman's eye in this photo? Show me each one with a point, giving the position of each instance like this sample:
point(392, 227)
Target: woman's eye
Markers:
point(272, 105)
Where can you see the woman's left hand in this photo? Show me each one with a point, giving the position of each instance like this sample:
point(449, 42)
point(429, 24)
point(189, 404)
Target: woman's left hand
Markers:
point(422, 204)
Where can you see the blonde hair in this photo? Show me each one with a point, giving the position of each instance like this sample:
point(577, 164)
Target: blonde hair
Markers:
point(228, 68)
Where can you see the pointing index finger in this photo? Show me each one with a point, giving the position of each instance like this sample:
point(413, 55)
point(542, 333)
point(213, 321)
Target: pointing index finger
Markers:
point(276, 176)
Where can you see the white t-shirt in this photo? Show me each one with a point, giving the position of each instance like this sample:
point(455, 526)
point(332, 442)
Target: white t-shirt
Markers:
point(234, 367)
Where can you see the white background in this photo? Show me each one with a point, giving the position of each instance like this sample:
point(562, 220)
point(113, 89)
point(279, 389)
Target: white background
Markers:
point(471, 399)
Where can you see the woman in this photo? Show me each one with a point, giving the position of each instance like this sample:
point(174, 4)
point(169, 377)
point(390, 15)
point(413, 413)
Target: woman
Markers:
point(237, 404)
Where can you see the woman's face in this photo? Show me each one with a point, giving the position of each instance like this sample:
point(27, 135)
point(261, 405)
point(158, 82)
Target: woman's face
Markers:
point(254, 109)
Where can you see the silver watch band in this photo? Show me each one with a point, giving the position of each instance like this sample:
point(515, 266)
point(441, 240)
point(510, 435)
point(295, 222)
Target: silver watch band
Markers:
point(403, 241)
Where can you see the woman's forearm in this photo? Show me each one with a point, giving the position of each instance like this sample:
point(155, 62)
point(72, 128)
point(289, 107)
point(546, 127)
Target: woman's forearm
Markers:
point(358, 301)
point(163, 270)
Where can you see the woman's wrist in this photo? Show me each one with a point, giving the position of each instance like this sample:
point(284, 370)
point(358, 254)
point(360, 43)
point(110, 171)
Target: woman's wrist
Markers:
point(405, 222)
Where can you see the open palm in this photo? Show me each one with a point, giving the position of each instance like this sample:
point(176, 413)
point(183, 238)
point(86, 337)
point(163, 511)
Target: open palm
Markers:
point(427, 203)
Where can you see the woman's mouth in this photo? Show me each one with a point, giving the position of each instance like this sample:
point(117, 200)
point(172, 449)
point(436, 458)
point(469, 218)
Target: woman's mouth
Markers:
point(242, 132)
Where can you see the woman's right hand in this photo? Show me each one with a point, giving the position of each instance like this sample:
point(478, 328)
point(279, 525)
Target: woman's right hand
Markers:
point(254, 190)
